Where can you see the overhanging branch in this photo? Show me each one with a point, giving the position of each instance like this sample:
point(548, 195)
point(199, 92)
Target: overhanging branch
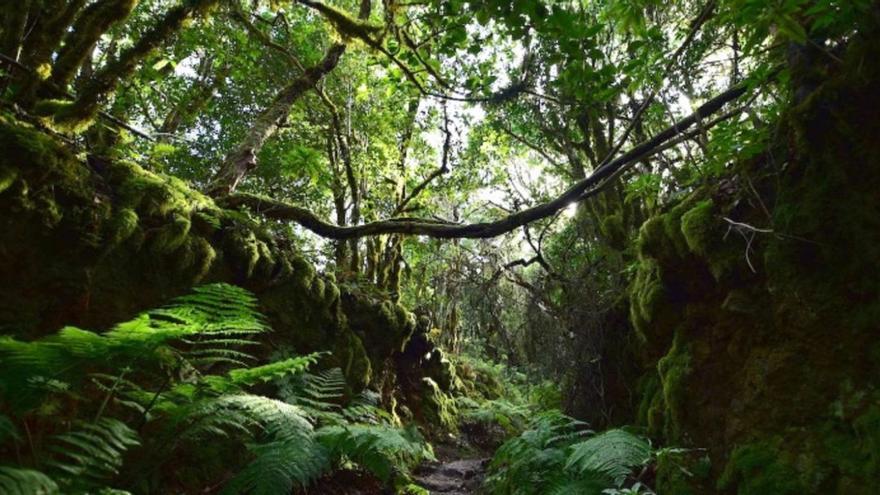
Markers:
point(581, 190)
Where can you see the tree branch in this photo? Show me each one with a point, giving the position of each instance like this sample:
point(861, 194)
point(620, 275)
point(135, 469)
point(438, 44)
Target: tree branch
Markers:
point(444, 167)
point(577, 192)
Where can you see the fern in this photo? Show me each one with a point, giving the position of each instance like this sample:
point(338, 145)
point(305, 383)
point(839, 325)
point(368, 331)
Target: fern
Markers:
point(159, 369)
point(551, 453)
point(91, 453)
point(209, 324)
point(240, 378)
point(364, 408)
point(613, 453)
point(379, 449)
point(318, 394)
point(512, 417)
point(279, 466)
point(287, 454)
point(16, 481)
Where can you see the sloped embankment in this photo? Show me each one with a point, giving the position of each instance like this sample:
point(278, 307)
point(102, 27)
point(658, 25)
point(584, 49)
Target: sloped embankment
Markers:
point(761, 345)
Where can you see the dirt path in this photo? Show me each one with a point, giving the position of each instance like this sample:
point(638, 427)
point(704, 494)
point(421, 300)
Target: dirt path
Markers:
point(452, 476)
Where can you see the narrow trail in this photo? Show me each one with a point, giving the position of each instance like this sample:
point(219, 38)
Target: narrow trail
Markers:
point(454, 473)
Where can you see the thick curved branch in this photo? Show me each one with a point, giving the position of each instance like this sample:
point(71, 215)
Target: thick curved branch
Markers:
point(579, 191)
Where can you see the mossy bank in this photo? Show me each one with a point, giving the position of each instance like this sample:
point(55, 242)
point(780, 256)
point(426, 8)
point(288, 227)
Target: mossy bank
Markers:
point(757, 317)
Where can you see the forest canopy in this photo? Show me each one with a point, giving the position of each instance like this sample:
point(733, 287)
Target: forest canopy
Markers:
point(361, 119)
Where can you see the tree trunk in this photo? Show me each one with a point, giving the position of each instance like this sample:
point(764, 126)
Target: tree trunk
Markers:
point(106, 79)
point(95, 20)
point(243, 158)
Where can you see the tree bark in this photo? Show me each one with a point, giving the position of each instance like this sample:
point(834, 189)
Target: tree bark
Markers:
point(106, 79)
point(243, 158)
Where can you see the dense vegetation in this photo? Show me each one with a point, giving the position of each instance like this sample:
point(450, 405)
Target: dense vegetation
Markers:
point(615, 246)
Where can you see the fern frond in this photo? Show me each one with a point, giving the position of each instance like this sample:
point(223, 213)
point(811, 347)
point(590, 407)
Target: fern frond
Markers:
point(317, 394)
point(512, 417)
point(92, 452)
point(221, 315)
point(364, 408)
point(614, 453)
point(379, 449)
point(536, 457)
point(16, 481)
point(278, 420)
point(564, 484)
point(273, 371)
point(279, 466)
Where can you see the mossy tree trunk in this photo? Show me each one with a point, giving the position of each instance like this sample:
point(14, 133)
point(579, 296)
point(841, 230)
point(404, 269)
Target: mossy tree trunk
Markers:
point(88, 28)
point(105, 80)
point(243, 158)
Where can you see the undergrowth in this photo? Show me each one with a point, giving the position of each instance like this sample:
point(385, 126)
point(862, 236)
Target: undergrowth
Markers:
point(173, 400)
point(542, 450)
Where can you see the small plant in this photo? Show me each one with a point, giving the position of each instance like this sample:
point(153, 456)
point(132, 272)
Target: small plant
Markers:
point(553, 453)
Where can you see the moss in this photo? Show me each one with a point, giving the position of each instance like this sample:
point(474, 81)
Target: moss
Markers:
point(683, 473)
point(7, 177)
point(672, 221)
point(651, 406)
point(650, 241)
point(122, 225)
point(206, 221)
point(614, 230)
point(90, 25)
point(697, 227)
point(350, 355)
point(435, 409)
point(740, 301)
point(36, 155)
point(59, 115)
point(90, 267)
point(197, 255)
point(384, 326)
point(647, 298)
point(153, 194)
point(347, 26)
point(244, 247)
point(172, 235)
point(674, 369)
point(852, 448)
point(761, 468)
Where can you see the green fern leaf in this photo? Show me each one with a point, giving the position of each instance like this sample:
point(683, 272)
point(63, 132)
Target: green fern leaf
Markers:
point(613, 453)
point(16, 481)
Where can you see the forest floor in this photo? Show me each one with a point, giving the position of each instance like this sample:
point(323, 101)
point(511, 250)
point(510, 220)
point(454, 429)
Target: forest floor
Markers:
point(457, 471)
point(452, 477)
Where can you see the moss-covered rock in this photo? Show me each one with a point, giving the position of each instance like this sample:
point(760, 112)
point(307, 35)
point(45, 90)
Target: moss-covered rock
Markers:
point(683, 473)
point(760, 345)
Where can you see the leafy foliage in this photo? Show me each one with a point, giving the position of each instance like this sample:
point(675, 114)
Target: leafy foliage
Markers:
point(379, 448)
point(551, 453)
point(176, 372)
point(91, 452)
point(16, 481)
